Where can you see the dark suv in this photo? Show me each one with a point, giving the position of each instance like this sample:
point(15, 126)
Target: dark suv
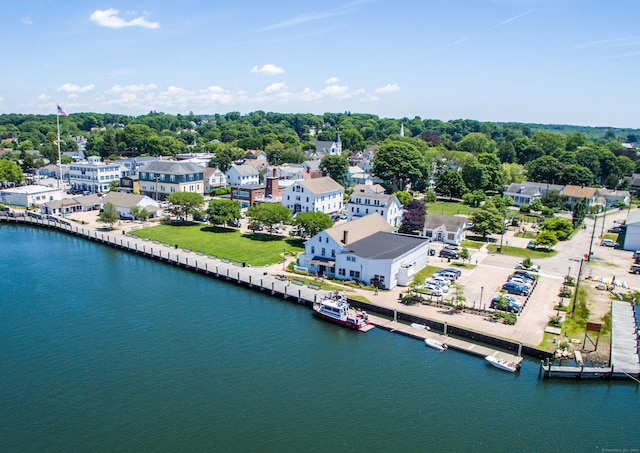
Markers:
point(446, 253)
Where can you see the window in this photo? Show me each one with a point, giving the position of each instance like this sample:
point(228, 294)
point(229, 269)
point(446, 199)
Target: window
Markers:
point(333, 253)
point(323, 252)
point(341, 272)
point(313, 249)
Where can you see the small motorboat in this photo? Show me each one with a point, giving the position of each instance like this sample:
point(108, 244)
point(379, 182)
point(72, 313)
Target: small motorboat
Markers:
point(415, 325)
point(435, 344)
point(503, 364)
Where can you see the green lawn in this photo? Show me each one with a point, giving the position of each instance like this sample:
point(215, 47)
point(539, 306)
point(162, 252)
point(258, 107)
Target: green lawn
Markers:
point(471, 244)
point(449, 208)
point(527, 234)
point(523, 253)
point(256, 249)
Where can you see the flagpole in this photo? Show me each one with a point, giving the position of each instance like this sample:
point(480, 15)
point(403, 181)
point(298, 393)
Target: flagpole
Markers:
point(59, 159)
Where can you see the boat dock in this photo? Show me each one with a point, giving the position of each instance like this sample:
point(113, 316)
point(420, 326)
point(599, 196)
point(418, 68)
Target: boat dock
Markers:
point(625, 363)
point(452, 342)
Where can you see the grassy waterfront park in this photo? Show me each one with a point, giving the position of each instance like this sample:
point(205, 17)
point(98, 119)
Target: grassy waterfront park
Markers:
point(255, 249)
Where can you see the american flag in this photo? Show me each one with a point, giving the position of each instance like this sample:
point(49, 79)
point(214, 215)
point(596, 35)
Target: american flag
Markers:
point(62, 112)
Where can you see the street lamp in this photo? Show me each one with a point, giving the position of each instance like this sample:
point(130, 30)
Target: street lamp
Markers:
point(481, 294)
point(284, 257)
point(504, 215)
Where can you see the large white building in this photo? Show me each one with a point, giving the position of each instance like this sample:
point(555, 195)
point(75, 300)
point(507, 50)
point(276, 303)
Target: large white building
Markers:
point(363, 202)
point(365, 249)
point(29, 195)
point(320, 194)
point(161, 178)
point(242, 175)
point(93, 176)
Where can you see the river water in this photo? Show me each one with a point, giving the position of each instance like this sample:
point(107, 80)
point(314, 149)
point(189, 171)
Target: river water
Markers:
point(101, 350)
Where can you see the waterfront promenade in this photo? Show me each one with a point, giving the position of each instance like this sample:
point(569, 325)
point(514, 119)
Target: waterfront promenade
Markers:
point(269, 279)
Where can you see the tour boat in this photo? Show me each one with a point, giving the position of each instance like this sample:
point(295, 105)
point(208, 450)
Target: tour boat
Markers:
point(415, 325)
point(336, 309)
point(435, 344)
point(503, 364)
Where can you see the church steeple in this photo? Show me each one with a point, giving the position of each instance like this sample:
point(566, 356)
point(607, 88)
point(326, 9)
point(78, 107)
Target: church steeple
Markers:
point(402, 129)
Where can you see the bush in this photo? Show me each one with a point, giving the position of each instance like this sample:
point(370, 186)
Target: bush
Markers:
point(547, 212)
point(509, 318)
point(525, 208)
point(220, 191)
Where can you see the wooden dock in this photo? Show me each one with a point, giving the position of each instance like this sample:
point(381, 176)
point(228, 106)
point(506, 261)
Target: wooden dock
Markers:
point(452, 342)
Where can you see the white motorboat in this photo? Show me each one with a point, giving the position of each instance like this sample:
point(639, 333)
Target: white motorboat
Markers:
point(503, 364)
point(435, 344)
point(415, 325)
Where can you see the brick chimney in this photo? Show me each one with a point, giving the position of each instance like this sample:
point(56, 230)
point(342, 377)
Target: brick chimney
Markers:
point(273, 186)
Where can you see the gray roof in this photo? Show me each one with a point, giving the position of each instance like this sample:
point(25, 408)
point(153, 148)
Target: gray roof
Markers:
point(171, 167)
point(359, 228)
point(123, 199)
point(385, 245)
point(449, 222)
point(245, 169)
point(530, 188)
point(320, 185)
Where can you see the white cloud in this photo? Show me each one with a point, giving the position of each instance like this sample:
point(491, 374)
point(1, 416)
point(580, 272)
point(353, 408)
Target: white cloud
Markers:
point(332, 80)
point(388, 88)
point(269, 69)
point(274, 87)
point(74, 89)
point(27, 20)
point(109, 18)
point(313, 16)
point(42, 97)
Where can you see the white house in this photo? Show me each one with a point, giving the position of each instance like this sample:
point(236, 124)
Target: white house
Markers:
point(320, 194)
point(213, 177)
point(242, 175)
point(125, 201)
point(365, 249)
point(610, 197)
point(362, 203)
point(632, 234)
point(29, 195)
point(93, 176)
point(525, 192)
point(445, 228)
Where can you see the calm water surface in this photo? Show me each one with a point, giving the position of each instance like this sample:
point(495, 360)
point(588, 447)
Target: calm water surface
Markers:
point(101, 350)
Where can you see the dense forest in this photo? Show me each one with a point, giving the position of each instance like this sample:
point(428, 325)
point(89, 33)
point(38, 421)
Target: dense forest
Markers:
point(486, 155)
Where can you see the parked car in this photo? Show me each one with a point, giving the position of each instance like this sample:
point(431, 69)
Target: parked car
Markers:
point(520, 281)
point(615, 230)
point(126, 217)
point(455, 271)
point(446, 253)
point(635, 269)
point(200, 218)
point(506, 302)
point(430, 283)
point(255, 227)
point(525, 275)
point(433, 291)
point(446, 274)
point(514, 288)
point(531, 245)
point(609, 243)
point(532, 268)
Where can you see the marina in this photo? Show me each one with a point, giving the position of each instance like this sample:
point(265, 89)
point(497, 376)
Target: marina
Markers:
point(130, 354)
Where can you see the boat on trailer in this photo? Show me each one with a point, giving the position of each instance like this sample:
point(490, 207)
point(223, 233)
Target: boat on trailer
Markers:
point(415, 325)
point(335, 308)
point(503, 364)
point(435, 344)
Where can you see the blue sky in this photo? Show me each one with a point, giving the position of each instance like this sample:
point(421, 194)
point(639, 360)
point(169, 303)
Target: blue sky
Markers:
point(538, 61)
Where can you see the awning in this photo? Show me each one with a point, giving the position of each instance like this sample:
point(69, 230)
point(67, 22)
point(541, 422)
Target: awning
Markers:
point(322, 263)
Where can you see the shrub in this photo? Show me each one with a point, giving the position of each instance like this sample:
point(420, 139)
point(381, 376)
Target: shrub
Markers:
point(509, 318)
point(525, 208)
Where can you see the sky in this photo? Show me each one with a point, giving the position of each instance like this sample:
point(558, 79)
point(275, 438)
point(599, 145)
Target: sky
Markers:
point(536, 61)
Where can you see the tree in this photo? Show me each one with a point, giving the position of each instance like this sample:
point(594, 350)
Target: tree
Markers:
point(108, 215)
point(139, 212)
point(464, 254)
point(399, 164)
point(546, 239)
point(475, 198)
point(474, 175)
point(311, 223)
point(336, 167)
point(576, 175)
point(225, 157)
point(114, 185)
point(487, 219)
point(450, 184)
point(579, 212)
point(562, 228)
point(184, 204)
point(536, 205)
point(552, 200)
point(544, 169)
point(269, 214)
point(477, 142)
point(10, 172)
point(611, 181)
point(223, 211)
point(403, 197)
point(413, 217)
point(492, 171)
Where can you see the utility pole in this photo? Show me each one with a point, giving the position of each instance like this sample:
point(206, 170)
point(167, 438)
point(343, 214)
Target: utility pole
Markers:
point(504, 215)
point(604, 216)
point(593, 233)
point(575, 296)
